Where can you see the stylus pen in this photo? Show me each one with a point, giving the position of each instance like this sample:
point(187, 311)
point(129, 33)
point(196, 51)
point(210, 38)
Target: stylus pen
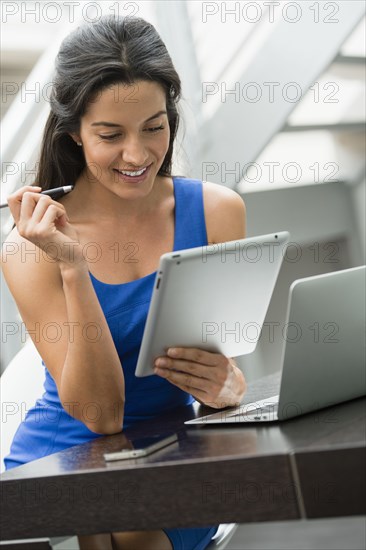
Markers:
point(55, 193)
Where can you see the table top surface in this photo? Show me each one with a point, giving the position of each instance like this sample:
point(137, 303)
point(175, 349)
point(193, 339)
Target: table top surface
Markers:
point(308, 466)
point(340, 426)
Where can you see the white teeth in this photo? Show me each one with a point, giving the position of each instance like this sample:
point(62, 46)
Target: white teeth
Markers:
point(138, 173)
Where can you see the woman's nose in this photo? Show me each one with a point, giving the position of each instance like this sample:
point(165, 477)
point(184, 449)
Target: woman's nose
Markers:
point(133, 152)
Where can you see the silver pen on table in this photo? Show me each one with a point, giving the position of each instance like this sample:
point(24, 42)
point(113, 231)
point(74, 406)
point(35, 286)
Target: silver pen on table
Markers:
point(55, 193)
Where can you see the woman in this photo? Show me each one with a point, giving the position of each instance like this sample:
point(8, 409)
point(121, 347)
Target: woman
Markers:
point(111, 132)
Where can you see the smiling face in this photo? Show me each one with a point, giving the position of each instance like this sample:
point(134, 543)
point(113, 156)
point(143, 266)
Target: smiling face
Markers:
point(125, 137)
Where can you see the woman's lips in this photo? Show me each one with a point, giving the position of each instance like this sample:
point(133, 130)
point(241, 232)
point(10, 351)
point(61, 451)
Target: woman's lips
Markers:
point(134, 179)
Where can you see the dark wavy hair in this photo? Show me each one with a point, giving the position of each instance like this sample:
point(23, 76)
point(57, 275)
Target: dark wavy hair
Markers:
point(91, 58)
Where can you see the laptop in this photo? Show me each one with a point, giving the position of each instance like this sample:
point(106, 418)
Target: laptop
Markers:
point(323, 356)
point(213, 297)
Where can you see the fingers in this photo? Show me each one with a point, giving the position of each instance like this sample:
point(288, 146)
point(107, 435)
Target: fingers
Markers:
point(196, 355)
point(45, 223)
point(46, 209)
point(205, 367)
point(194, 378)
point(187, 367)
point(33, 206)
point(27, 202)
point(43, 233)
point(183, 378)
point(38, 215)
point(189, 376)
point(15, 199)
point(204, 391)
point(211, 378)
point(198, 387)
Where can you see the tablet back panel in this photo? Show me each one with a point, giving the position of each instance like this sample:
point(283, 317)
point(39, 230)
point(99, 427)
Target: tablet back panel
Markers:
point(213, 297)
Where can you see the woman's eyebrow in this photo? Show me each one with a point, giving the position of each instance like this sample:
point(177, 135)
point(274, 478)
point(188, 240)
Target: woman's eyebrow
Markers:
point(114, 125)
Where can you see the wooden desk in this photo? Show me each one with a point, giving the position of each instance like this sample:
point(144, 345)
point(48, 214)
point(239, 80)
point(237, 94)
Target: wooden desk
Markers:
point(310, 466)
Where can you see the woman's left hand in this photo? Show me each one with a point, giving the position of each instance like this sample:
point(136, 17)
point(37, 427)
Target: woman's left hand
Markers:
point(212, 378)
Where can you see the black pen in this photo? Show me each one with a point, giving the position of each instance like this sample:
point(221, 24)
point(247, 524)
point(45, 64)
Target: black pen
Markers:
point(55, 193)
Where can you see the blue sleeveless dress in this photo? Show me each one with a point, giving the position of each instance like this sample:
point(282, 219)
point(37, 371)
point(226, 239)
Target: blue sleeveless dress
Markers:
point(48, 428)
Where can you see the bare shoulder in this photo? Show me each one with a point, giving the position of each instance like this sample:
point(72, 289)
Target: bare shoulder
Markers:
point(225, 213)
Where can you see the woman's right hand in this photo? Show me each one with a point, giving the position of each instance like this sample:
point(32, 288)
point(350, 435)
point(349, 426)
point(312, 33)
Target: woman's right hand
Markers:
point(45, 223)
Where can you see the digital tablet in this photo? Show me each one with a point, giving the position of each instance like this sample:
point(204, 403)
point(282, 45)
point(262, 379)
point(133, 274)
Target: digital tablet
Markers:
point(213, 297)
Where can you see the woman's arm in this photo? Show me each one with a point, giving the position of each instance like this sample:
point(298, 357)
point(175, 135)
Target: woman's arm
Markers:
point(62, 314)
